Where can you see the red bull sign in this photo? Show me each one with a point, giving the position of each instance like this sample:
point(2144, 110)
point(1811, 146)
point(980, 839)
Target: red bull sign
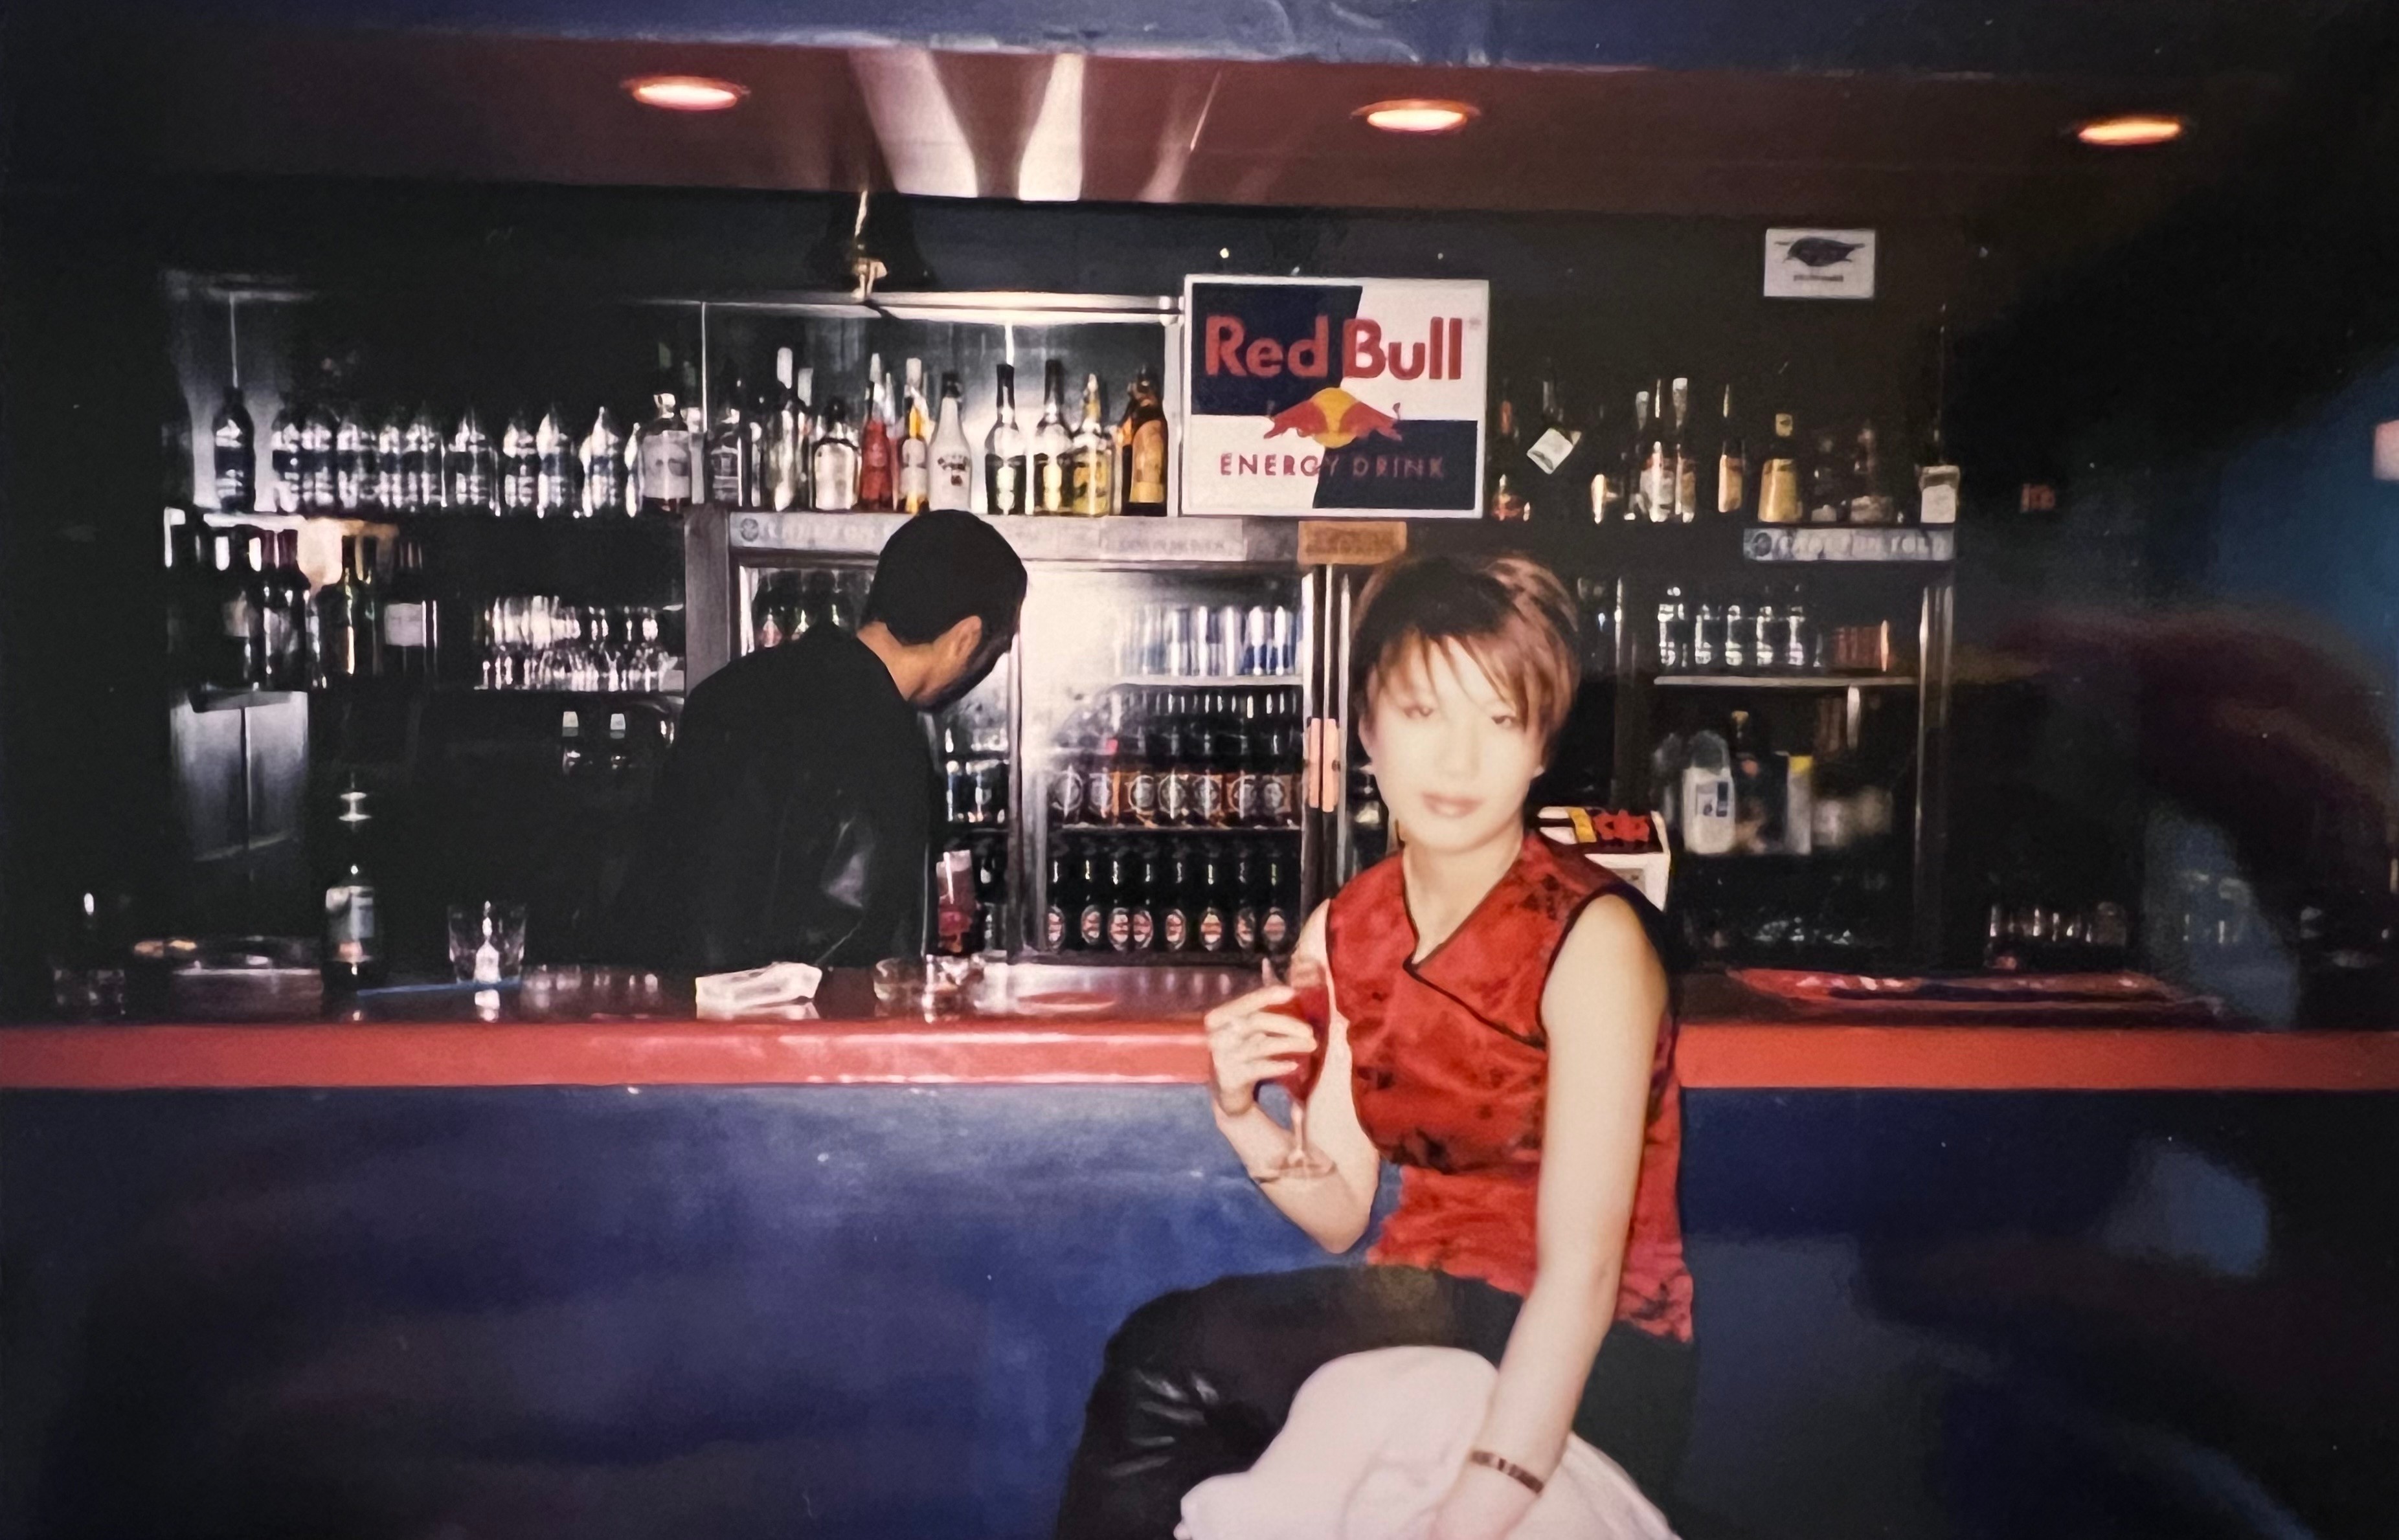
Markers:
point(1326, 396)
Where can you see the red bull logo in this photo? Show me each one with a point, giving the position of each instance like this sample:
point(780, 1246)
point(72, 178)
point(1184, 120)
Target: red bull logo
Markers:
point(1364, 355)
point(1333, 418)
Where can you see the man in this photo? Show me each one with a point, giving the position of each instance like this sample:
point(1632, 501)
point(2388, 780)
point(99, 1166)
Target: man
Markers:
point(794, 819)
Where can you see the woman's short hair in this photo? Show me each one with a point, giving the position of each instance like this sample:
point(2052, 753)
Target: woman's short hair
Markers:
point(1510, 614)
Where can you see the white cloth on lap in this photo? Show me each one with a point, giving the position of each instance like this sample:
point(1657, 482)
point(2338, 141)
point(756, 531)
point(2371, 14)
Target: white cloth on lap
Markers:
point(1375, 1441)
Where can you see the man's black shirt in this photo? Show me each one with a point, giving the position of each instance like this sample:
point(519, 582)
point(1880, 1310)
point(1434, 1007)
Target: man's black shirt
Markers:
point(793, 820)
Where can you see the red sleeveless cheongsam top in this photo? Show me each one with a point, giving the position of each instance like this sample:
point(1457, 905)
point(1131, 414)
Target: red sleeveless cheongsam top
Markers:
point(1450, 1069)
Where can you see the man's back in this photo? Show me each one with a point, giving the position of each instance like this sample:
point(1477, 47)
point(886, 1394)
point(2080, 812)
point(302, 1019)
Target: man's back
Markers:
point(792, 819)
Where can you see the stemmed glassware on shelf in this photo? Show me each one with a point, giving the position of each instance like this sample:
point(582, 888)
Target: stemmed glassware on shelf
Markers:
point(539, 642)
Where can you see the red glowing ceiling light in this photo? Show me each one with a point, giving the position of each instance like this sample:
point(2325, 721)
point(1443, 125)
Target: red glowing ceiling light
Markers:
point(686, 93)
point(2130, 130)
point(1418, 115)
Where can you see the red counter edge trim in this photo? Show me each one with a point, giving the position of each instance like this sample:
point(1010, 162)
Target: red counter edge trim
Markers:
point(1714, 1056)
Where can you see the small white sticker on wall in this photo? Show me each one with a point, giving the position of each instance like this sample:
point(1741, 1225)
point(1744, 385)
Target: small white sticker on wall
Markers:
point(1819, 264)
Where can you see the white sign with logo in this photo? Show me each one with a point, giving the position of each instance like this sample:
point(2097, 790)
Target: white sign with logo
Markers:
point(1335, 396)
point(1819, 264)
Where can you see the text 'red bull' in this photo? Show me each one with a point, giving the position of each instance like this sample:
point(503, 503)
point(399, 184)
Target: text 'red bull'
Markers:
point(1364, 354)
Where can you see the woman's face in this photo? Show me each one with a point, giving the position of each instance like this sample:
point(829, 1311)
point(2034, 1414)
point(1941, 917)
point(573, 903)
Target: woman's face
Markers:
point(1452, 758)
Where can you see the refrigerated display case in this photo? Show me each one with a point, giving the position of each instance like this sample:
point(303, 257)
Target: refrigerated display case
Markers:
point(1150, 726)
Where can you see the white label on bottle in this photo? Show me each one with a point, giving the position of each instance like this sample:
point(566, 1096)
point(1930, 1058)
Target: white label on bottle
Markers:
point(350, 924)
point(403, 624)
point(1940, 506)
point(666, 465)
point(1550, 451)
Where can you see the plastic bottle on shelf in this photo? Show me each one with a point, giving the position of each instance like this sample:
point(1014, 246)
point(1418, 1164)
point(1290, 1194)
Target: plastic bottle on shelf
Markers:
point(1708, 825)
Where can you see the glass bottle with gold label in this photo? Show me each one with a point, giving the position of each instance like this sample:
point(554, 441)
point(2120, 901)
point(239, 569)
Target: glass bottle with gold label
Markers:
point(1778, 479)
point(1092, 460)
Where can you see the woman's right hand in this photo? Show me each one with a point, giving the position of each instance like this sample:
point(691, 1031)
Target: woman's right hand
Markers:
point(1251, 1040)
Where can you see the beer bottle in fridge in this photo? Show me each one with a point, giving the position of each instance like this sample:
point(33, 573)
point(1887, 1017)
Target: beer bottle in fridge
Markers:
point(1216, 920)
point(1142, 464)
point(1248, 911)
point(1123, 898)
point(1101, 771)
point(1150, 899)
point(1173, 774)
point(1138, 798)
point(1276, 925)
point(1258, 753)
point(1060, 922)
point(1228, 756)
point(1176, 920)
point(234, 448)
point(1091, 913)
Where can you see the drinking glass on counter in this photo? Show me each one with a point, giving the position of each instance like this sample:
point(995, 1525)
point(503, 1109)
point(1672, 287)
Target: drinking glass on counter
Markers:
point(487, 943)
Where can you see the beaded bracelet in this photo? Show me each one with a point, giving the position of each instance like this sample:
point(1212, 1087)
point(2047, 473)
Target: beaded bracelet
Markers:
point(1508, 1469)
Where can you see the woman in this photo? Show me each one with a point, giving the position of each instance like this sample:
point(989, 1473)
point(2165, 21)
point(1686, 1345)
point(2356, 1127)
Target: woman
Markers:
point(1499, 1028)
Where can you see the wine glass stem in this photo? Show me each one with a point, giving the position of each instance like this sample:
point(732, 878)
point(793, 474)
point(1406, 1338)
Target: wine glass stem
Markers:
point(1299, 1131)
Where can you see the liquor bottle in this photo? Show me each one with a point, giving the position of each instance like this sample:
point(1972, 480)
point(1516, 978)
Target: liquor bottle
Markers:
point(1828, 487)
point(1123, 898)
point(957, 792)
point(785, 455)
point(471, 465)
point(1177, 918)
point(992, 912)
point(1051, 443)
point(1732, 465)
point(521, 459)
point(558, 469)
point(353, 955)
point(1507, 498)
point(319, 488)
point(1091, 461)
point(833, 461)
point(1147, 874)
point(1285, 796)
point(1870, 500)
point(604, 478)
point(1686, 457)
point(1141, 462)
point(1553, 459)
point(242, 658)
point(1003, 454)
point(666, 445)
point(952, 460)
point(422, 487)
point(1277, 922)
point(191, 598)
point(1767, 637)
point(916, 479)
point(357, 480)
point(1738, 635)
point(366, 607)
point(175, 487)
point(1606, 489)
point(410, 628)
point(1674, 631)
point(1247, 912)
point(281, 492)
point(1707, 636)
point(391, 493)
point(1215, 919)
point(1936, 477)
point(290, 617)
point(234, 453)
point(1778, 480)
point(1059, 931)
point(1798, 636)
point(1751, 822)
point(728, 444)
point(1092, 916)
point(876, 489)
point(1065, 797)
point(1251, 767)
point(1707, 820)
point(1655, 453)
point(571, 756)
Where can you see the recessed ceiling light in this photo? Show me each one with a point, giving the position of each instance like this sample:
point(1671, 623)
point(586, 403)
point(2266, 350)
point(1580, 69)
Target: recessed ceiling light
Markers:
point(686, 93)
point(1418, 116)
point(2130, 129)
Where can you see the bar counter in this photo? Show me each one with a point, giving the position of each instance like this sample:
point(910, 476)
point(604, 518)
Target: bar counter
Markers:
point(1145, 1032)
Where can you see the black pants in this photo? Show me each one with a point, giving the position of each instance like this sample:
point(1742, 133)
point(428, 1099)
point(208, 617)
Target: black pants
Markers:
point(1197, 1383)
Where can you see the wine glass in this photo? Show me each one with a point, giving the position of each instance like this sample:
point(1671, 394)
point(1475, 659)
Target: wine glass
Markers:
point(1311, 1002)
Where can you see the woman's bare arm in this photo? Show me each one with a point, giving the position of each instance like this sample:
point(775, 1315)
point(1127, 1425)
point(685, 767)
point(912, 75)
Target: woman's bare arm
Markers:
point(1606, 995)
point(1247, 1043)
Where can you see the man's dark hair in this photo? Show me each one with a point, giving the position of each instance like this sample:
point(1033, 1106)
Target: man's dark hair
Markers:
point(938, 569)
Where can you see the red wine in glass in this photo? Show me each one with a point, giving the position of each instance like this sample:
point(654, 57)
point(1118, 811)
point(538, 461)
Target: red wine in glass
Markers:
point(1311, 1002)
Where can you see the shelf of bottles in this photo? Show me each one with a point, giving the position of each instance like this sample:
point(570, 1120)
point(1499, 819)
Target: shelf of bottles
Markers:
point(1165, 742)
